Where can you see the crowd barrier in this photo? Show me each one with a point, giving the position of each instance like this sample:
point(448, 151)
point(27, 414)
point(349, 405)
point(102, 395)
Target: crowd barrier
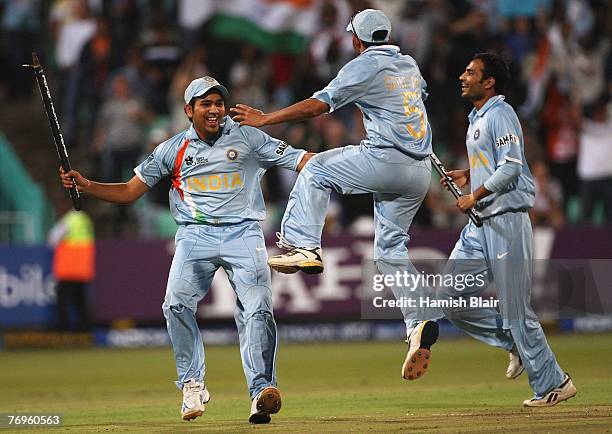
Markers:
point(131, 276)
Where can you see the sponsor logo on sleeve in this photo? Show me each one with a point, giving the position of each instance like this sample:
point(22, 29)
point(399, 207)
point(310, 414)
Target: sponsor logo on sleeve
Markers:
point(280, 150)
point(504, 140)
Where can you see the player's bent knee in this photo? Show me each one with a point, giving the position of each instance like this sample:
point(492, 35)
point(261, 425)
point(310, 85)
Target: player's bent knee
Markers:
point(522, 326)
point(180, 292)
point(176, 310)
point(262, 315)
point(258, 309)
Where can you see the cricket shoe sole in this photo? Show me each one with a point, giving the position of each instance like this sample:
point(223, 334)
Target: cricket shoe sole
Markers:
point(309, 261)
point(418, 359)
point(267, 402)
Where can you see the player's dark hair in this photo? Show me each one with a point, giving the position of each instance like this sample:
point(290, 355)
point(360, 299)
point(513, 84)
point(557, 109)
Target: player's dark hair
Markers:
point(494, 66)
point(378, 35)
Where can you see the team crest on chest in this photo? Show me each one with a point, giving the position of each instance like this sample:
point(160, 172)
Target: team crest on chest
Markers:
point(231, 154)
point(476, 134)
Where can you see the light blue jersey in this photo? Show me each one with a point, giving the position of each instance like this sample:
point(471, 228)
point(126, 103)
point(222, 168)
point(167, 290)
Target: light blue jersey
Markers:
point(388, 88)
point(494, 138)
point(391, 163)
point(501, 251)
point(218, 183)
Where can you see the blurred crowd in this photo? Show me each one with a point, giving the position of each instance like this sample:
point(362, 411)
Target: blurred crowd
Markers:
point(122, 66)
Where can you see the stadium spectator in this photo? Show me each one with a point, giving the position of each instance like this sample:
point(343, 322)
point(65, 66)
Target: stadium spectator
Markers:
point(117, 140)
point(92, 73)
point(560, 51)
point(415, 30)
point(125, 17)
point(588, 57)
point(72, 239)
point(560, 118)
point(249, 76)
point(162, 56)
point(194, 64)
point(20, 24)
point(191, 16)
point(595, 160)
point(74, 26)
point(134, 70)
point(468, 34)
point(520, 39)
point(329, 49)
point(548, 206)
point(119, 131)
point(550, 56)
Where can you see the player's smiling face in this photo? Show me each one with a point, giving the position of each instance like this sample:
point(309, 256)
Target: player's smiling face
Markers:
point(207, 114)
point(472, 84)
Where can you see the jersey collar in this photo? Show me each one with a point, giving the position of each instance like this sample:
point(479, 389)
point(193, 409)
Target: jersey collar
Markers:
point(490, 103)
point(387, 47)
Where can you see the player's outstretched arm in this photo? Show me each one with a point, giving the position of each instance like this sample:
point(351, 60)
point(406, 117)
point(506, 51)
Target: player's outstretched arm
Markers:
point(121, 192)
point(308, 108)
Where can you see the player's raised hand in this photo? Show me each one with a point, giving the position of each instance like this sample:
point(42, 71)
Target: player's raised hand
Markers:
point(461, 177)
point(248, 115)
point(68, 177)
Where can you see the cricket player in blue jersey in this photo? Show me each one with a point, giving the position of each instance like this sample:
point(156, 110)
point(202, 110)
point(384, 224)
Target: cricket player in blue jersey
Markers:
point(502, 190)
point(216, 167)
point(391, 163)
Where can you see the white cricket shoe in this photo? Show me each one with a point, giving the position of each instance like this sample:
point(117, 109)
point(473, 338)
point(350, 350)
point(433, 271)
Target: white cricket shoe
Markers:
point(420, 340)
point(267, 402)
point(515, 367)
point(298, 259)
point(195, 395)
point(563, 392)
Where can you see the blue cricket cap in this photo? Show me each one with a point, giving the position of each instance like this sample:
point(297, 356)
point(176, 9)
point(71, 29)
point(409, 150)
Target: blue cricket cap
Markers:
point(368, 21)
point(201, 86)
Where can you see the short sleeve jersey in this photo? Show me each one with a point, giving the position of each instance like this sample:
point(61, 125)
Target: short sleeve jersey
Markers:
point(388, 88)
point(218, 183)
point(494, 138)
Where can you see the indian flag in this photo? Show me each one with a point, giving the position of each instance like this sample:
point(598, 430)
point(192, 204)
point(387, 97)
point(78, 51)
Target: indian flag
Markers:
point(272, 25)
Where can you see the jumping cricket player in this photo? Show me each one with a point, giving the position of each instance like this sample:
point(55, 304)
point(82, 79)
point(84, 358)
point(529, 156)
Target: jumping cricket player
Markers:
point(391, 163)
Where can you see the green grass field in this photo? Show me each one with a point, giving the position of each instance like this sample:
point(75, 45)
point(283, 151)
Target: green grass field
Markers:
point(326, 387)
